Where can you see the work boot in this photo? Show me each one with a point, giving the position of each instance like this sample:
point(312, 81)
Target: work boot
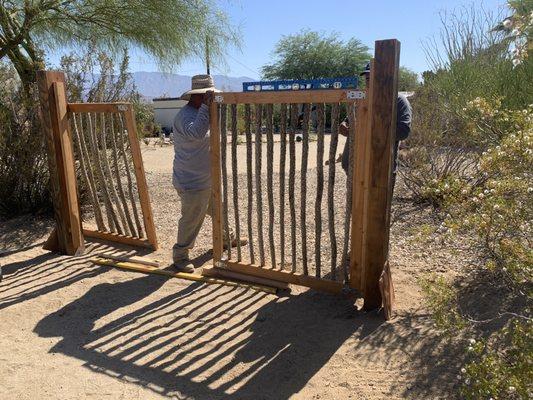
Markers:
point(234, 242)
point(184, 265)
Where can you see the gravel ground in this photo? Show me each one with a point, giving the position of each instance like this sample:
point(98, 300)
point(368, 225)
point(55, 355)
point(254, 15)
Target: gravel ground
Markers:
point(70, 329)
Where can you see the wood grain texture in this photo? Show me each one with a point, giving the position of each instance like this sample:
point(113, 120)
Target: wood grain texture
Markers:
point(68, 236)
point(360, 175)
point(386, 288)
point(97, 107)
point(75, 244)
point(217, 272)
point(117, 238)
point(384, 85)
point(285, 276)
point(140, 175)
point(216, 184)
point(298, 96)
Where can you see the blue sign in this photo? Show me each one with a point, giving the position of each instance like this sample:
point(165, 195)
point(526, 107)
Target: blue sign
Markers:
point(301, 84)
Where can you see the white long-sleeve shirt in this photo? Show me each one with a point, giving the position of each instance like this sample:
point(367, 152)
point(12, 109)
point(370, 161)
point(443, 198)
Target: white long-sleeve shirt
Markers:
point(192, 162)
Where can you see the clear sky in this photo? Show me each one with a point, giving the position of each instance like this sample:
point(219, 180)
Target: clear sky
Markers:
point(264, 22)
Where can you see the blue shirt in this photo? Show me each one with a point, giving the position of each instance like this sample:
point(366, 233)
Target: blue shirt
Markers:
point(404, 115)
point(192, 161)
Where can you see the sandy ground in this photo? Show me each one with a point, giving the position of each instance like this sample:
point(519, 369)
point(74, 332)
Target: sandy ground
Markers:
point(158, 159)
point(71, 330)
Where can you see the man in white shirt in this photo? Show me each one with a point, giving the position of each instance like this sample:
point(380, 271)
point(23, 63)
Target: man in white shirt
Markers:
point(192, 168)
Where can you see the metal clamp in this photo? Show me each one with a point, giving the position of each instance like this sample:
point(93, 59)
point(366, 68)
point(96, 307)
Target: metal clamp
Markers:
point(355, 94)
point(122, 107)
point(219, 99)
point(223, 262)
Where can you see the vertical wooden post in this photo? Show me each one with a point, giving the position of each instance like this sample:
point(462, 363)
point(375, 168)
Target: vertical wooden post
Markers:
point(360, 189)
point(360, 172)
point(67, 238)
point(215, 181)
point(142, 186)
point(382, 108)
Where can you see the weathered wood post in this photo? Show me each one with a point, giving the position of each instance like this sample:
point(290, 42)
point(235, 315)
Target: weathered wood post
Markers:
point(379, 150)
point(216, 185)
point(359, 190)
point(67, 238)
point(142, 186)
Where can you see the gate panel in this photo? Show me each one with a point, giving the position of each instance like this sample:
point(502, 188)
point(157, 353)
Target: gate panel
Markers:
point(111, 171)
point(369, 175)
point(265, 188)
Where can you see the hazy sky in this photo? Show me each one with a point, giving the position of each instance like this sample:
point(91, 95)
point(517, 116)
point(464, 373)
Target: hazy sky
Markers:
point(264, 22)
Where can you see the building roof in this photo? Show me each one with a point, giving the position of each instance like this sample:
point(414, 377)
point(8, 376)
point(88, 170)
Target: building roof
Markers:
point(166, 99)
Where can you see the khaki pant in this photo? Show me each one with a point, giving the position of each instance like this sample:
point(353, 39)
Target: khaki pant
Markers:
point(195, 204)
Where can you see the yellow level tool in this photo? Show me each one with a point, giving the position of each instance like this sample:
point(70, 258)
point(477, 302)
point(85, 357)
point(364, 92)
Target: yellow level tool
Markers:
point(148, 269)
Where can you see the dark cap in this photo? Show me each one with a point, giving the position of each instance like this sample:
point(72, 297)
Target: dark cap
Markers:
point(366, 70)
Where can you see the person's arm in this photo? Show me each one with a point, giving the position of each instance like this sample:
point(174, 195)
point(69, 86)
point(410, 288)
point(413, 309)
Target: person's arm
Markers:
point(403, 118)
point(196, 127)
point(344, 127)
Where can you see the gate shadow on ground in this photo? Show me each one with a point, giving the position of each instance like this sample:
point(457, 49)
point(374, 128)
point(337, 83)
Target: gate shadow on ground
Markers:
point(47, 272)
point(220, 342)
point(204, 341)
point(212, 342)
point(42, 274)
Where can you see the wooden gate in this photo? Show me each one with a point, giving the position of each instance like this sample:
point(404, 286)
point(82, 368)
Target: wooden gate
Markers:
point(286, 249)
point(97, 143)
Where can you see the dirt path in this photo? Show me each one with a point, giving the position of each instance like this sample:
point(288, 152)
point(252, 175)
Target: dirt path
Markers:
point(159, 159)
point(71, 330)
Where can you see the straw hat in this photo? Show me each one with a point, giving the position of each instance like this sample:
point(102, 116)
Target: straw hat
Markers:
point(200, 84)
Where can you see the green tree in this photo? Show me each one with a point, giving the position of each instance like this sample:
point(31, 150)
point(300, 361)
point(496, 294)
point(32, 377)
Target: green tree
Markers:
point(407, 80)
point(169, 30)
point(310, 55)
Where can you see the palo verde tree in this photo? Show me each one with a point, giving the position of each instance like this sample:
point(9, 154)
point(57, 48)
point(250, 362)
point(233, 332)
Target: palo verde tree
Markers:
point(169, 30)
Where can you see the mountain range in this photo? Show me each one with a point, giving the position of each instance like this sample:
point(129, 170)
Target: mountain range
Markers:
point(158, 84)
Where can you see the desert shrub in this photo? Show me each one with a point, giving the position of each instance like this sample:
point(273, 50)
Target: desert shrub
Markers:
point(438, 155)
point(474, 140)
point(94, 76)
point(24, 175)
point(495, 212)
point(500, 368)
point(442, 300)
point(144, 117)
point(23, 163)
point(498, 209)
point(475, 64)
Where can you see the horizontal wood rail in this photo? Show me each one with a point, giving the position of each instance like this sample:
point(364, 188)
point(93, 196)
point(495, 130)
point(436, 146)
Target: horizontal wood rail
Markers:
point(285, 276)
point(98, 107)
point(115, 237)
point(288, 97)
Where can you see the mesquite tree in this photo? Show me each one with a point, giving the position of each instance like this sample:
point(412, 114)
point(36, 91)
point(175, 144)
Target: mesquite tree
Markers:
point(169, 30)
point(309, 55)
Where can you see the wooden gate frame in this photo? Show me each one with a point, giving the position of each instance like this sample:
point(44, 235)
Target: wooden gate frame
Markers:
point(68, 235)
point(372, 178)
